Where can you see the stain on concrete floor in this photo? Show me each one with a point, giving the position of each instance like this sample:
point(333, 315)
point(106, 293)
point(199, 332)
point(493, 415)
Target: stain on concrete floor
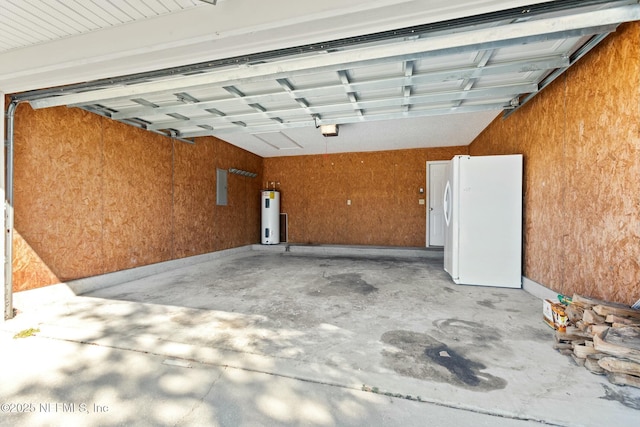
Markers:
point(621, 396)
point(467, 332)
point(464, 369)
point(486, 303)
point(421, 356)
point(344, 285)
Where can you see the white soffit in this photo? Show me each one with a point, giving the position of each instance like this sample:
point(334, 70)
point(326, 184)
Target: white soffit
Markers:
point(30, 22)
point(429, 85)
point(84, 41)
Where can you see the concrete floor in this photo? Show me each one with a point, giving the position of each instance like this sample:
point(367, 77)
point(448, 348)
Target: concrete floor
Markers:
point(295, 336)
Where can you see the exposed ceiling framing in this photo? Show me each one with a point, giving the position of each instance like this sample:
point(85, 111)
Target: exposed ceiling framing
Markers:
point(483, 64)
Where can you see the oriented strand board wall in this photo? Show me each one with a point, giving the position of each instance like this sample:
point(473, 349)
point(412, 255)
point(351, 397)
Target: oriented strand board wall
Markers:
point(94, 196)
point(200, 225)
point(58, 193)
point(581, 142)
point(239, 221)
point(195, 177)
point(136, 217)
point(382, 186)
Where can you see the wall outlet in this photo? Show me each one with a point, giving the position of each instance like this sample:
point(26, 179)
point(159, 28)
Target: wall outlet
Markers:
point(421, 201)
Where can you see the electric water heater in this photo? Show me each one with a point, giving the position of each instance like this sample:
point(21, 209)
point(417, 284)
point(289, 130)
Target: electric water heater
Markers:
point(270, 217)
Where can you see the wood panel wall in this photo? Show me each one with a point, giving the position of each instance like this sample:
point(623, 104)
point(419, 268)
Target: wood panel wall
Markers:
point(58, 193)
point(581, 143)
point(200, 225)
point(94, 196)
point(383, 188)
point(137, 201)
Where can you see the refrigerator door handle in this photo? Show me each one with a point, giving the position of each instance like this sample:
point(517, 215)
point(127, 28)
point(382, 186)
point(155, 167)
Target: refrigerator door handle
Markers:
point(446, 204)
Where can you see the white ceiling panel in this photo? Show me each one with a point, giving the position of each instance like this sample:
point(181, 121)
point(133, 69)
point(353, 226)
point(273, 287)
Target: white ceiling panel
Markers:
point(278, 141)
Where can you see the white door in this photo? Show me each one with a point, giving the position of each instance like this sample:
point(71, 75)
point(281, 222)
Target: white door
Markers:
point(436, 180)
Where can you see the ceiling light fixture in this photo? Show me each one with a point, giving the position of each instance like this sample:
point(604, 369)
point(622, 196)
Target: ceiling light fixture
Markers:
point(329, 130)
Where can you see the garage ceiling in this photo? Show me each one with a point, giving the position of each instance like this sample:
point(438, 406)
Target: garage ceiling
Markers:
point(437, 82)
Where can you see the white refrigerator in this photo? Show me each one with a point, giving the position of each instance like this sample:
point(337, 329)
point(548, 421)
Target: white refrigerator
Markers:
point(483, 219)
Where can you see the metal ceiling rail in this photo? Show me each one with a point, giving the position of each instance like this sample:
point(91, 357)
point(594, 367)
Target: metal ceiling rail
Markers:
point(508, 91)
point(104, 111)
point(582, 51)
point(586, 23)
point(265, 128)
point(289, 91)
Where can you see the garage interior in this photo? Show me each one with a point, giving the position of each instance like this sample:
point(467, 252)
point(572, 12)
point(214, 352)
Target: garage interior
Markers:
point(119, 118)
